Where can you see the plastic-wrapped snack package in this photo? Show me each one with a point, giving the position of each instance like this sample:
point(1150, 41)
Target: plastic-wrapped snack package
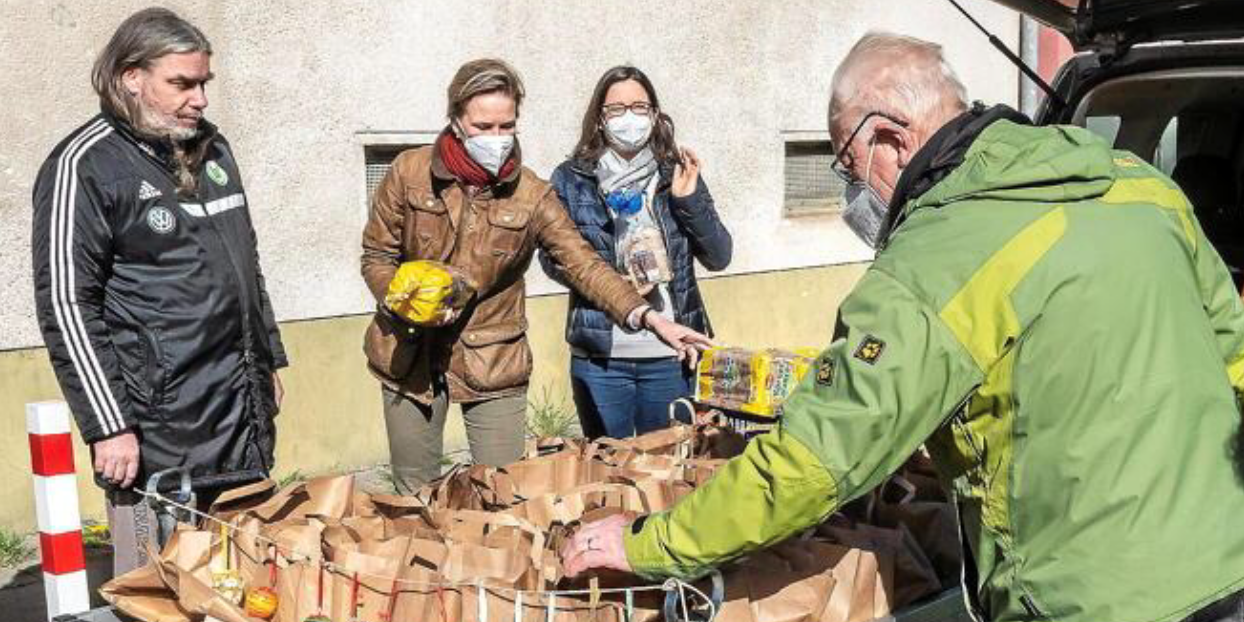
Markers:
point(785, 370)
point(723, 377)
point(749, 381)
point(643, 255)
point(427, 293)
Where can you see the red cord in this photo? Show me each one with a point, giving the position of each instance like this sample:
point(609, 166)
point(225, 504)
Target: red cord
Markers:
point(272, 573)
point(319, 591)
point(388, 615)
point(354, 598)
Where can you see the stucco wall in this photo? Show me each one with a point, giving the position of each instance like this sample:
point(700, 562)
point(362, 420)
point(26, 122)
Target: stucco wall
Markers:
point(299, 81)
point(331, 419)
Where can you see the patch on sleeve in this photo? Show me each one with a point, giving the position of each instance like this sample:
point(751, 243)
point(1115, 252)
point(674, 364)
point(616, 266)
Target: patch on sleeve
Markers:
point(870, 350)
point(825, 371)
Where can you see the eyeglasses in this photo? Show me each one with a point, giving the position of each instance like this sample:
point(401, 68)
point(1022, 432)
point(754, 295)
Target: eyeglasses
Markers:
point(616, 110)
point(837, 165)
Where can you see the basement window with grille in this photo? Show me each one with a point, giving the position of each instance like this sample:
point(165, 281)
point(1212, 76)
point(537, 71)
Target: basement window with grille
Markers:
point(811, 187)
point(377, 159)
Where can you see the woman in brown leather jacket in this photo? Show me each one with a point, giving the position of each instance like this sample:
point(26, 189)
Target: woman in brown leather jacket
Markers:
point(467, 201)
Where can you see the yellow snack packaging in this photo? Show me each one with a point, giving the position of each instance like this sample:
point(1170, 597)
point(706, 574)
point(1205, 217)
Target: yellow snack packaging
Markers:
point(755, 382)
point(427, 293)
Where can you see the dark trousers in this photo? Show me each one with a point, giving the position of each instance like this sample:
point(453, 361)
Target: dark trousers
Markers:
point(619, 398)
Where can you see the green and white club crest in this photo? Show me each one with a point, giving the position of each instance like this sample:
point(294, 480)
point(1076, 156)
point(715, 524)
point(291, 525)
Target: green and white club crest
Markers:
point(216, 173)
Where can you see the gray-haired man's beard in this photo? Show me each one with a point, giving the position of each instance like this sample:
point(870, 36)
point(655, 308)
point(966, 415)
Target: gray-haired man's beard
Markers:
point(183, 134)
point(155, 124)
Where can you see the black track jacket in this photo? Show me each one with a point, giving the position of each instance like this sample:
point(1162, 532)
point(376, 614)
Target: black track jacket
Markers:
point(152, 305)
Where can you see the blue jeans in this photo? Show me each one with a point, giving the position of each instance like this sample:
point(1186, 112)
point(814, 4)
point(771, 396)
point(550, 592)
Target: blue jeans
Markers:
point(626, 397)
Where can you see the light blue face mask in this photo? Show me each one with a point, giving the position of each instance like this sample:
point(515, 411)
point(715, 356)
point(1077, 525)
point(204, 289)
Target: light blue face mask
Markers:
point(866, 211)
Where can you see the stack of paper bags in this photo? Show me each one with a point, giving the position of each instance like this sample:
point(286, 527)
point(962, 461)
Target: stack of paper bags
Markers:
point(349, 555)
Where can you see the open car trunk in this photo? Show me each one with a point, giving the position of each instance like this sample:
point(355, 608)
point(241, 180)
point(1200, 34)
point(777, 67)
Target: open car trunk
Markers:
point(1107, 25)
point(1163, 79)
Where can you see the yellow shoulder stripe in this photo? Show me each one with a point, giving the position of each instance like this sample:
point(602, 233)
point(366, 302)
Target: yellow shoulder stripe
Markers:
point(981, 314)
point(1235, 371)
point(1153, 191)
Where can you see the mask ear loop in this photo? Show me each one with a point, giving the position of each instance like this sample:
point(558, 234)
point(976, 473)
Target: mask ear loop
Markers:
point(457, 129)
point(889, 222)
point(868, 167)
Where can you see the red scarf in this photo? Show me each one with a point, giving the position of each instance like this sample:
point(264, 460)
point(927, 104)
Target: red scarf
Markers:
point(455, 157)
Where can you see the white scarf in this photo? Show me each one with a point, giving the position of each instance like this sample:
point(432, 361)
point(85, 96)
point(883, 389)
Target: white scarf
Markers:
point(613, 172)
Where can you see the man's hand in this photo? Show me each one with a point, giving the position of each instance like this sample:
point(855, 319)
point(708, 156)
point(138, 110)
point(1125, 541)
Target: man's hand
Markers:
point(116, 458)
point(597, 545)
point(688, 343)
point(278, 390)
point(686, 174)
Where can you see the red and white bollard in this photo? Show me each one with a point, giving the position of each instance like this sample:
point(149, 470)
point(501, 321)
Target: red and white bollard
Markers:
point(56, 505)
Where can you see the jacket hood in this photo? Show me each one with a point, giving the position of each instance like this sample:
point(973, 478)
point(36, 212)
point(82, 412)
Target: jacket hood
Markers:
point(1010, 161)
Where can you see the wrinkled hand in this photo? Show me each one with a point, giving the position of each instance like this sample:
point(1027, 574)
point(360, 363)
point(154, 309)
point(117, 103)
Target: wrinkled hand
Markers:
point(278, 390)
point(116, 459)
point(686, 342)
point(596, 545)
point(686, 174)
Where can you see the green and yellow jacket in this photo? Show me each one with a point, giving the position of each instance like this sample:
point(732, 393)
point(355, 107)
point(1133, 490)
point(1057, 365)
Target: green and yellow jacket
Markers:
point(1050, 320)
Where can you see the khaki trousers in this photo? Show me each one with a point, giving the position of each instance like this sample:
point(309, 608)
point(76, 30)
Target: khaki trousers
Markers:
point(495, 432)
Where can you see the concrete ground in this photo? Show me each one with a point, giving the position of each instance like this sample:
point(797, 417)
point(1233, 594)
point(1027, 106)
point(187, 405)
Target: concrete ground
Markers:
point(21, 588)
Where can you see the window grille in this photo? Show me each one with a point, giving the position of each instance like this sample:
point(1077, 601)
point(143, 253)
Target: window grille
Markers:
point(377, 160)
point(811, 187)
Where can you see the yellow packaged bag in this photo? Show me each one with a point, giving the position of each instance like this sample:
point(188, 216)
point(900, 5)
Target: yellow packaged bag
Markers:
point(428, 292)
point(750, 381)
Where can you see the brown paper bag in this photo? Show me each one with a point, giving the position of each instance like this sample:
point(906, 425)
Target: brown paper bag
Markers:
point(555, 473)
point(364, 575)
point(916, 501)
point(183, 571)
point(501, 548)
point(144, 595)
point(545, 445)
point(326, 496)
point(678, 441)
point(242, 498)
point(565, 508)
point(914, 575)
point(474, 487)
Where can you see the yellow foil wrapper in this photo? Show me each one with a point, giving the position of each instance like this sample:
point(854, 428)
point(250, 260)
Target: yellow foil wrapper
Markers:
point(229, 585)
point(427, 293)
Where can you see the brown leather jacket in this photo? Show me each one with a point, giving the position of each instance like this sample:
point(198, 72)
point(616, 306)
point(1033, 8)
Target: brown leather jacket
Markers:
point(421, 212)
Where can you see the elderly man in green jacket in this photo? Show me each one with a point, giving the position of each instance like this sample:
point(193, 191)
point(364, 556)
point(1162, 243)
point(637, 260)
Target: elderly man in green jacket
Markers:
point(1046, 315)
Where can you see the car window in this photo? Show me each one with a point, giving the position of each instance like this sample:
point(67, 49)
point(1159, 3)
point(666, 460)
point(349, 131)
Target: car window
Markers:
point(1189, 123)
point(1166, 153)
point(1106, 126)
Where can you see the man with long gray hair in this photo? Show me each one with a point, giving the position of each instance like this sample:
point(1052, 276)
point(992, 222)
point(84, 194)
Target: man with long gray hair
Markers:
point(1046, 315)
point(147, 282)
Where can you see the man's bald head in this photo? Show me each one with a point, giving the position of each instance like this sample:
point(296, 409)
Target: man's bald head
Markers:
point(900, 76)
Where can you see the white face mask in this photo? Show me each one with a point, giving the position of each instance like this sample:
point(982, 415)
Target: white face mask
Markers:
point(490, 151)
point(629, 132)
point(866, 211)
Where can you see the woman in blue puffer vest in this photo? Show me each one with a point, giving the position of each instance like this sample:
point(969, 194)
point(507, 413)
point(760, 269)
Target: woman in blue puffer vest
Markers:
point(639, 200)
